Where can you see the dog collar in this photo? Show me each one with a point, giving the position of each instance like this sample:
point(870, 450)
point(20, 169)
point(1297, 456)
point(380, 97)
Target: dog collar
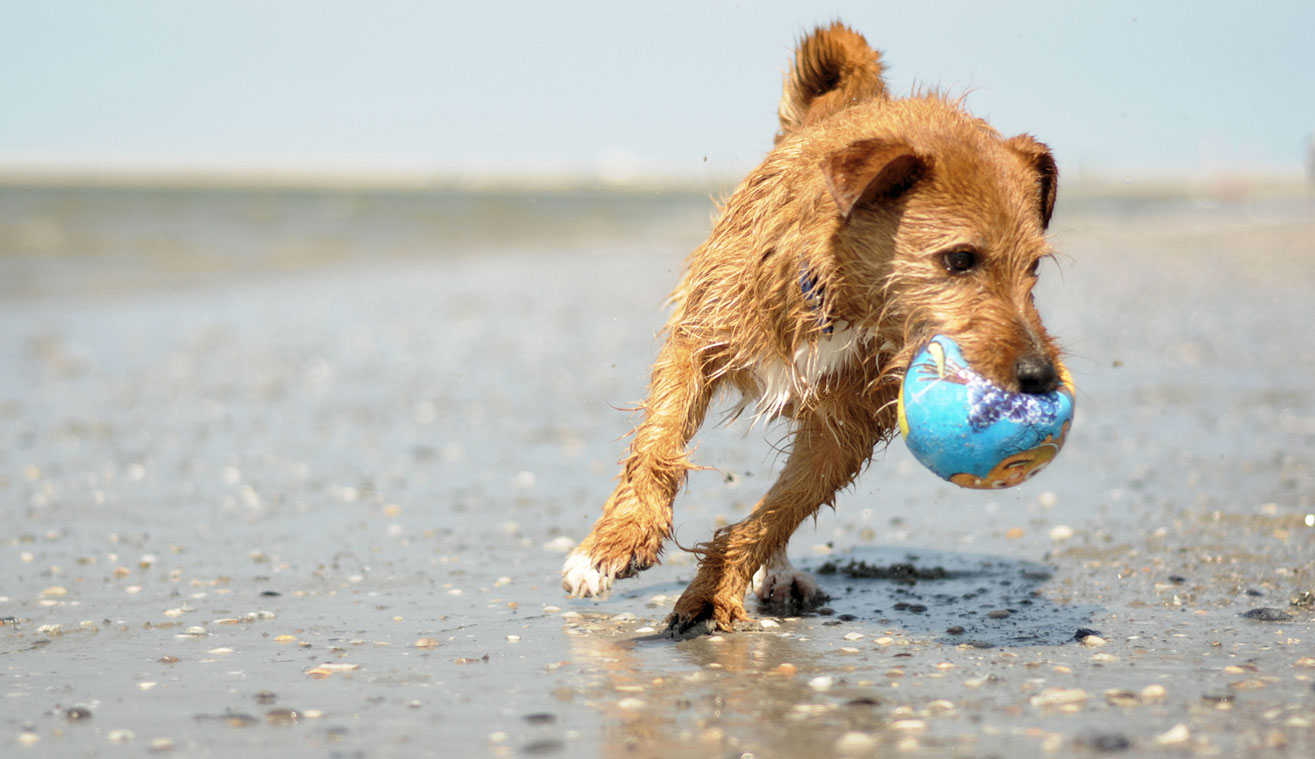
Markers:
point(812, 289)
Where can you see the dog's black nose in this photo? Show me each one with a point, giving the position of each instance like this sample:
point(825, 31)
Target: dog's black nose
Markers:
point(1036, 374)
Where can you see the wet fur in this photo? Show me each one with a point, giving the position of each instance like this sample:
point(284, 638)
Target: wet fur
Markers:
point(862, 196)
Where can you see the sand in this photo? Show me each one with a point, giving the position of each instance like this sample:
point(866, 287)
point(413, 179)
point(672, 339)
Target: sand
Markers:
point(311, 498)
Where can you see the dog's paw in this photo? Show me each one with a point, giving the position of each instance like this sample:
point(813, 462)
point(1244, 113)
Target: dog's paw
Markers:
point(581, 579)
point(698, 614)
point(780, 585)
point(585, 575)
point(684, 629)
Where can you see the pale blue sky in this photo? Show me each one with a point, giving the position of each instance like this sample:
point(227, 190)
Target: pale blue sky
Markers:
point(539, 87)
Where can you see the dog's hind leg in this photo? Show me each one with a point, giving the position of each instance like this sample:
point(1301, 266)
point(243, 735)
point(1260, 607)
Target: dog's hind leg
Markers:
point(826, 455)
point(783, 587)
point(636, 520)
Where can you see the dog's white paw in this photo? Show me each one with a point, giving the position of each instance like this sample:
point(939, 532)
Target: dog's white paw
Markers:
point(581, 579)
point(779, 583)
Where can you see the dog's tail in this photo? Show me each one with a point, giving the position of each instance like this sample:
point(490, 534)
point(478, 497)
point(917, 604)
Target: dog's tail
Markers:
point(833, 67)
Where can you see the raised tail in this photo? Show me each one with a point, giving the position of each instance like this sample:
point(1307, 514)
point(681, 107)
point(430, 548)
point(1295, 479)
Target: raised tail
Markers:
point(833, 68)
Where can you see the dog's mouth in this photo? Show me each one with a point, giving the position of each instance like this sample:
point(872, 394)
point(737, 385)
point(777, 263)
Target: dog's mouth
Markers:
point(1034, 373)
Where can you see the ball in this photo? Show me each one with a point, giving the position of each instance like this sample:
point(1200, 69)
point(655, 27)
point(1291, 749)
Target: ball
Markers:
point(971, 431)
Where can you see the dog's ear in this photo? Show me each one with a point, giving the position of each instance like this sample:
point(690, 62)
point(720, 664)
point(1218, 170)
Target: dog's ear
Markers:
point(871, 171)
point(1038, 155)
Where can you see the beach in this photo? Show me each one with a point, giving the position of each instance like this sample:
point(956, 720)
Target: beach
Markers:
point(292, 471)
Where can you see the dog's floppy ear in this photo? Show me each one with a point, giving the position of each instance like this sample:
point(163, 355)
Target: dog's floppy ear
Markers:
point(1038, 155)
point(871, 171)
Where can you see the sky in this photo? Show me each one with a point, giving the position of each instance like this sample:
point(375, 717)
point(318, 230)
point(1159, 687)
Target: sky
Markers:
point(621, 89)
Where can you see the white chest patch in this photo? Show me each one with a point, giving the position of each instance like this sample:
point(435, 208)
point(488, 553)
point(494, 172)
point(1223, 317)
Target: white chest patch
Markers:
point(781, 384)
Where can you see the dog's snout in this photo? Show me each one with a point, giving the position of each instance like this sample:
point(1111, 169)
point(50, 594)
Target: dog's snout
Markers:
point(1036, 374)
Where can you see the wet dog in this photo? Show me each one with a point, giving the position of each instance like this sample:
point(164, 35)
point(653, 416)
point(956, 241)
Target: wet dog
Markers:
point(875, 223)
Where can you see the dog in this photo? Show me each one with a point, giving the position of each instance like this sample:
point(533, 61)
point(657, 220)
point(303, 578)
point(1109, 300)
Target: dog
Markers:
point(873, 224)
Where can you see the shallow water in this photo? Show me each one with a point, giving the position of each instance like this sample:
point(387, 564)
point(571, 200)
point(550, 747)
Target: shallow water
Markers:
point(293, 472)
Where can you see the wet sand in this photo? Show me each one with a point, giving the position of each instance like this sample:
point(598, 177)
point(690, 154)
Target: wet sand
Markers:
point(319, 507)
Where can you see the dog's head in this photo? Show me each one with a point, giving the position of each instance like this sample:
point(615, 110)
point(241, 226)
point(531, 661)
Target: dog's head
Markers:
point(939, 229)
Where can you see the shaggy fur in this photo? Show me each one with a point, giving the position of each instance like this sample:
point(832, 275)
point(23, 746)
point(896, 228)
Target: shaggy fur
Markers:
point(874, 224)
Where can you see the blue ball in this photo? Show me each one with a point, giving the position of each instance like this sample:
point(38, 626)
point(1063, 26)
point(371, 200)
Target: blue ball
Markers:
point(972, 432)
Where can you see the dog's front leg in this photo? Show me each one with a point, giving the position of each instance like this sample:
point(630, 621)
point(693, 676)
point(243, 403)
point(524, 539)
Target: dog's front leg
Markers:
point(636, 520)
point(826, 456)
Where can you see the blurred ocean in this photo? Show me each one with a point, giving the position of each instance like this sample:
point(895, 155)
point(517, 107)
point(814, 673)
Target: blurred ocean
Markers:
point(88, 240)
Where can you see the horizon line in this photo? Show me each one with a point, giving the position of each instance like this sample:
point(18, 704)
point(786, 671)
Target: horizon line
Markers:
point(390, 175)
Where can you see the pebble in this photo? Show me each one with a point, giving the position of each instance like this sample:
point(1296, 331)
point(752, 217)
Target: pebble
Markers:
point(908, 725)
point(1173, 736)
point(1093, 641)
point(28, 738)
point(160, 745)
point(821, 683)
point(1061, 532)
point(77, 713)
point(1267, 614)
point(1153, 692)
point(282, 716)
point(854, 742)
point(1117, 697)
point(559, 544)
point(854, 636)
point(630, 704)
point(1109, 742)
point(1059, 697)
point(425, 643)
point(120, 736)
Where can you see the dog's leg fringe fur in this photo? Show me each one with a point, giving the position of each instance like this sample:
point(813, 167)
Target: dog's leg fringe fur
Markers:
point(636, 520)
point(821, 463)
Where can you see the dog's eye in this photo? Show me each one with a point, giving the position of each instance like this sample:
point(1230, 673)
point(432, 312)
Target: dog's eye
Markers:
point(960, 261)
point(1032, 271)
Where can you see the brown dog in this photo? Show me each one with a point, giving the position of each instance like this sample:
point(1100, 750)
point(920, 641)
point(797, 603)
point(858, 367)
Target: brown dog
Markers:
point(874, 224)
